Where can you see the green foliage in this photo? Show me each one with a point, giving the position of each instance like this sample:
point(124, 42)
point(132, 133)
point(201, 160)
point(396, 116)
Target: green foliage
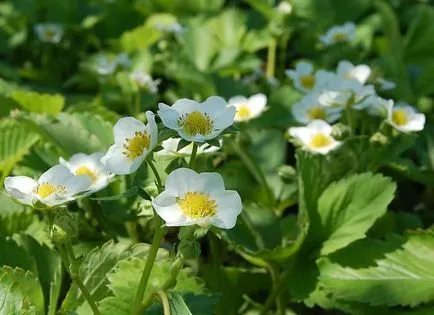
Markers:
point(402, 276)
point(39, 103)
point(20, 292)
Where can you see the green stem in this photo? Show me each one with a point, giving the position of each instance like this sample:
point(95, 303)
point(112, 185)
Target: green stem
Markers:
point(253, 168)
point(274, 295)
point(170, 283)
point(75, 275)
point(271, 59)
point(165, 301)
point(158, 236)
point(193, 155)
point(350, 121)
point(157, 176)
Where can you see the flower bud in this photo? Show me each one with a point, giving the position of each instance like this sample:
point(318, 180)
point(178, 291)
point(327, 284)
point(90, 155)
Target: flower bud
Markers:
point(64, 228)
point(378, 138)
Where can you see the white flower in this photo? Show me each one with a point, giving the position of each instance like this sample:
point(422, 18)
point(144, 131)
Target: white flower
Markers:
point(309, 108)
point(133, 141)
point(105, 65)
point(305, 78)
point(284, 8)
point(315, 137)
point(342, 92)
point(83, 164)
point(339, 34)
point(173, 27)
point(170, 147)
point(347, 70)
point(190, 198)
point(248, 108)
point(123, 60)
point(142, 79)
point(376, 105)
point(49, 32)
point(404, 118)
point(386, 84)
point(54, 188)
point(195, 121)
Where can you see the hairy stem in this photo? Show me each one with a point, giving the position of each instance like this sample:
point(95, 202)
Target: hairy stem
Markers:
point(193, 155)
point(164, 301)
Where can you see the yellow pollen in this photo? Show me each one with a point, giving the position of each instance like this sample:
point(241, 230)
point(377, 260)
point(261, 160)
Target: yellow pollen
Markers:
point(135, 146)
point(340, 37)
point(45, 189)
point(50, 34)
point(196, 123)
point(320, 140)
point(196, 205)
point(84, 170)
point(399, 117)
point(307, 81)
point(316, 113)
point(243, 111)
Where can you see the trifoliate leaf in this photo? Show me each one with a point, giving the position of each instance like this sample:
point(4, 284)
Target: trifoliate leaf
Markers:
point(95, 267)
point(400, 272)
point(348, 208)
point(39, 103)
point(20, 292)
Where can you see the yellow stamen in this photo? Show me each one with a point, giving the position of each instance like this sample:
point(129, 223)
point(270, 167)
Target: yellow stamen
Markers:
point(135, 146)
point(84, 170)
point(316, 113)
point(196, 205)
point(340, 37)
point(45, 189)
point(307, 81)
point(49, 34)
point(243, 111)
point(320, 140)
point(400, 117)
point(196, 123)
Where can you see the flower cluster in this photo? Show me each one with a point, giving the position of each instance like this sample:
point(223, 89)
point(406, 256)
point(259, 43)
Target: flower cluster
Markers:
point(189, 198)
point(329, 96)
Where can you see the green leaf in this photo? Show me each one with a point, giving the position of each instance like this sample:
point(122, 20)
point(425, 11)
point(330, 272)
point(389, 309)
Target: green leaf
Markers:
point(95, 267)
point(400, 273)
point(130, 192)
point(124, 281)
point(348, 208)
point(39, 103)
point(20, 292)
point(77, 132)
point(177, 304)
point(140, 38)
point(15, 143)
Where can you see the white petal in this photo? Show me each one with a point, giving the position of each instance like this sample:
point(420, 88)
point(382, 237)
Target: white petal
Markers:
point(229, 207)
point(303, 68)
point(21, 188)
point(126, 127)
point(237, 100)
point(56, 175)
point(225, 118)
point(167, 208)
point(181, 181)
point(321, 126)
point(152, 129)
point(77, 184)
point(169, 116)
point(185, 105)
point(117, 163)
point(325, 150)
point(79, 159)
point(213, 104)
point(257, 103)
point(361, 73)
point(304, 134)
point(209, 182)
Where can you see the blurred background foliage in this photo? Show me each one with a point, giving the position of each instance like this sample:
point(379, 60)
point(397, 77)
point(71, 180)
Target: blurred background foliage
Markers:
point(57, 99)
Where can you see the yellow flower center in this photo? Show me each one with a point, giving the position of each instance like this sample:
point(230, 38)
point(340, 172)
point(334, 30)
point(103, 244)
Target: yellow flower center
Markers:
point(320, 140)
point(243, 111)
point(135, 146)
point(340, 37)
point(400, 117)
point(307, 81)
point(49, 34)
point(196, 123)
point(45, 189)
point(316, 113)
point(84, 170)
point(196, 205)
